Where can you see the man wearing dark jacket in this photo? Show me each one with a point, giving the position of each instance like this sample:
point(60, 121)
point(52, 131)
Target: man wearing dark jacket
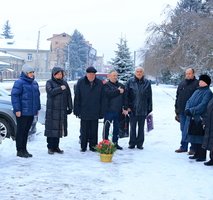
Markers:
point(139, 101)
point(114, 92)
point(184, 91)
point(88, 106)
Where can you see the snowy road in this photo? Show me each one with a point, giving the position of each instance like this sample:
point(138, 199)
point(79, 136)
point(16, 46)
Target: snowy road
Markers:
point(155, 173)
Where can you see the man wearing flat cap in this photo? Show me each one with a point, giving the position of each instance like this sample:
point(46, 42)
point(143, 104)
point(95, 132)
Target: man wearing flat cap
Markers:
point(88, 106)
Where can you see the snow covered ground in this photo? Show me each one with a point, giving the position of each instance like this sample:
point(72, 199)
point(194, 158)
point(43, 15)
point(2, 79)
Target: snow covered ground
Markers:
point(155, 173)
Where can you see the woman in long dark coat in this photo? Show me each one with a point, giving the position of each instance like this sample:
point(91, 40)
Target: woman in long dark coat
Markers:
point(208, 137)
point(196, 108)
point(59, 105)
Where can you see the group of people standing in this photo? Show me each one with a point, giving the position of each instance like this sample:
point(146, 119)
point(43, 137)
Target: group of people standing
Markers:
point(93, 100)
point(194, 111)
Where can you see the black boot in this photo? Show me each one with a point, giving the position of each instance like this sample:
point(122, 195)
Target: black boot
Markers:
point(58, 150)
point(22, 154)
point(50, 151)
point(193, 157)
point(209, 163)
point(118, 147)
point(28, 154)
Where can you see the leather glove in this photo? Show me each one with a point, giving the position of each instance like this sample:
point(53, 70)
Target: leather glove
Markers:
point(188, 113)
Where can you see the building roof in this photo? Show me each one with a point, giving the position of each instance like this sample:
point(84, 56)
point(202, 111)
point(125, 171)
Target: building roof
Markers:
point(3, 54)
point(4, 63)
point(24, 44)
point(58, 35)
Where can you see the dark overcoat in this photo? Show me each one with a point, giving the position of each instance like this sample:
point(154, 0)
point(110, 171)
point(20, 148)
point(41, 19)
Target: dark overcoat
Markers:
point(114, 100)
point(184, 91)
point(58, 106)
point(88, 100)
point(208, 137)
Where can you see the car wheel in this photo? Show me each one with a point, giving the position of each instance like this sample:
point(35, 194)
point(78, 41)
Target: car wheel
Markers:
point(4, 128)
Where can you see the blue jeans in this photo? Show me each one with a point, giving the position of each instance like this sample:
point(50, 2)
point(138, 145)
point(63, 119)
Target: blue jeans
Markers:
point(111, 116)
point(184, 124)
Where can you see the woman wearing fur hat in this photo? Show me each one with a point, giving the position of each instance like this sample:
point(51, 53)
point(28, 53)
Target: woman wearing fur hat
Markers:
point(59, 105)
point(25, 98)
point(195, 110)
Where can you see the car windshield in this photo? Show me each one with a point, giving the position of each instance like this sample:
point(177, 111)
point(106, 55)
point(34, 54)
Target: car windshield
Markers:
point(101, 76)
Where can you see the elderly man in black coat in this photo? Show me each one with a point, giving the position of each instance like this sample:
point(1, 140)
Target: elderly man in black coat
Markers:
point(184, 91)
point(88, 106)
point(139, 101)
point(59, 105)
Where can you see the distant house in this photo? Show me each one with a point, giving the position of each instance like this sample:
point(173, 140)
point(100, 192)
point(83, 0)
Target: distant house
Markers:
point(59, 53)
point(29, 53)
point(58, 49)
point(10, 66)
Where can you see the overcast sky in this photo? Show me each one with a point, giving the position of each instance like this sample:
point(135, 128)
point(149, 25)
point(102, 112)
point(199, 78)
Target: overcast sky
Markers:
point(102, 22)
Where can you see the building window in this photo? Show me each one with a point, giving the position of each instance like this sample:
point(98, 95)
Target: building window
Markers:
point(29, 57)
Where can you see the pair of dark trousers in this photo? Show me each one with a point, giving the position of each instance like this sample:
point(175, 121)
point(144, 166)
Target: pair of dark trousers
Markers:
point(89, 133)
point(184, 128)
point(199, 151)
point(136, 138)
point(23, 126)
point(52, 142)
point(108, 118)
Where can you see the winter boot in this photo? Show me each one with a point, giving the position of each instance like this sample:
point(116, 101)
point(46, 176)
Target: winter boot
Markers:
point(28, 154)
point(209, 163)
point(50, 151)
point(22, 154)
point(58, 150)
point(118, 147)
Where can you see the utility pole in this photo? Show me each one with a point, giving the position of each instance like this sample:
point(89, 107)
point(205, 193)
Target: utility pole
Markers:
point(37, 50)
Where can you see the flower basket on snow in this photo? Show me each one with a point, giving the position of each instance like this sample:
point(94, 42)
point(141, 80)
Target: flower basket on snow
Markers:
point(106, 149)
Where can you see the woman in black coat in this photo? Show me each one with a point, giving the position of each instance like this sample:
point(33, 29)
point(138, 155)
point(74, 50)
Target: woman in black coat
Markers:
point(59, 105)
point(208, 137)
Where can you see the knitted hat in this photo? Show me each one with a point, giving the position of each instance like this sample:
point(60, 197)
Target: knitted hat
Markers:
point(91, 70)
point(27, 68)
point(205, 78)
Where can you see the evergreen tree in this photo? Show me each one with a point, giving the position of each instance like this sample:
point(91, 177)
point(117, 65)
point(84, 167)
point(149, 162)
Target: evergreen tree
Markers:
point(7, 31)
point(78, 54)
point(190, 5)
point(122, 62)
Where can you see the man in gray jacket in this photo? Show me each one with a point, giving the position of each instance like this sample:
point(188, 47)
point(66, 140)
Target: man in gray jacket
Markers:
point(139, 102)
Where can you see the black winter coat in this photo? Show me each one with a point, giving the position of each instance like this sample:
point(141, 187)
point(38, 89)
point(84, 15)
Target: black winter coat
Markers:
point(184, 91)
point(88, 100)
point(139, 96)
point(114, 99)
point(208, 137)
point(59, 104)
